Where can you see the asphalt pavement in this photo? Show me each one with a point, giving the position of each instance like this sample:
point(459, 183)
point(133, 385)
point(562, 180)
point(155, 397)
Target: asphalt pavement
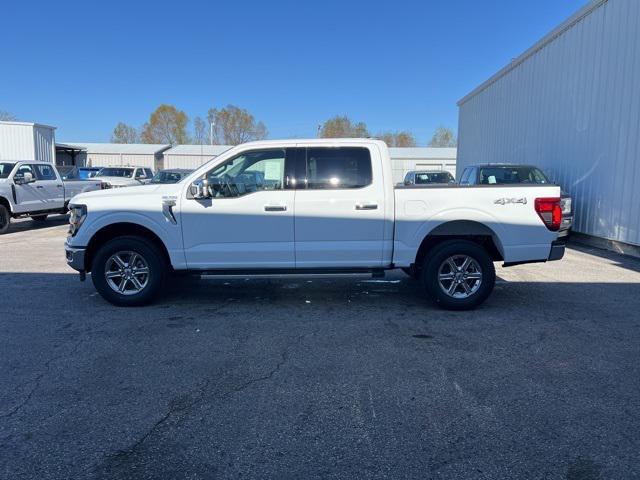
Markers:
point(316, 377)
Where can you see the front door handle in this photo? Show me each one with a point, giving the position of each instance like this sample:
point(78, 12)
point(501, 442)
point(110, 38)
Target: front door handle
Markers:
point(366, 206)
point(275, 208)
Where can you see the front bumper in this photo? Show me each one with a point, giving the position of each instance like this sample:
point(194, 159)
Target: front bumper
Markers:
point(557, 251)
point(75, 257)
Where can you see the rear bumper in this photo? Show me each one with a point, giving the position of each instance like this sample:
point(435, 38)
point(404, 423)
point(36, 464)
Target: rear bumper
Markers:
point(557, 251)
point(75, 257)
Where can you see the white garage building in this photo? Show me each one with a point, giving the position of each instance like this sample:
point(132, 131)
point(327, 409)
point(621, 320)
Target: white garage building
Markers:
point(571, 105)
point(27, 141)
point(191, 156)
point(116, 154)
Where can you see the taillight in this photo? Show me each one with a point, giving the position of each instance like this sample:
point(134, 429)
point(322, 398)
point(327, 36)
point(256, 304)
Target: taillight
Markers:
point(550, 212)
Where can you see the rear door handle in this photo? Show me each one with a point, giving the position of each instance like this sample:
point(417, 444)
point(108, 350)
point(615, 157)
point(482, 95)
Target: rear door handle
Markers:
point(275, 208)
point(39, 186)
point(366, 206)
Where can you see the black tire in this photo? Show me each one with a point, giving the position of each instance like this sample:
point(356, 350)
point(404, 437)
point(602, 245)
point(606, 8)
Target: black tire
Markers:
point(152, 257)
point(469, 298)
point(5, 219)
point(412, 272)
point(39, 218)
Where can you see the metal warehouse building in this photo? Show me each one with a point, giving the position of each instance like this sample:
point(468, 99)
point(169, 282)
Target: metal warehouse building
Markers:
point(418, 158)
point(191, 156)
point(27, 141)
point(116, 154)
point(571, 105)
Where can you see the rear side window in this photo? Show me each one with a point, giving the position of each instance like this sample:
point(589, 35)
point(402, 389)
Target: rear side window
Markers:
point(337, 168)
point(45, 172)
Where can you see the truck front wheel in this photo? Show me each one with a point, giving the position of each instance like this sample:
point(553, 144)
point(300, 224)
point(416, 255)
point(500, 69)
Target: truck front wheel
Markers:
point(459, 274)
point(5, 219)
point(128, 271)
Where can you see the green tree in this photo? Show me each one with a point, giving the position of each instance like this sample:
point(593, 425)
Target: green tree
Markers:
point(443, 137)
point(341, 126)
point(166, 124)
point(397, 139)
point(233, 125)
point(124, 133)
point(7, 116)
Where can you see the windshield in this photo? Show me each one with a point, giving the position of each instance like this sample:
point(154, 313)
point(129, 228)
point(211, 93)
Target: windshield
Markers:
point(167, 177)
point(5, 169)
point(115, 172)
point(433, 177)
point(513, 174)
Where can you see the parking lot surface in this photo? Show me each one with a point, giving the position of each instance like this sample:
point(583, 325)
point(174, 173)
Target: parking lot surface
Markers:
point(315, 377)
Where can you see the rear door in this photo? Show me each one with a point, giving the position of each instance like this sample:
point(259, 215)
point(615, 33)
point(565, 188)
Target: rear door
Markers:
point(339, 208)
point(50, 186)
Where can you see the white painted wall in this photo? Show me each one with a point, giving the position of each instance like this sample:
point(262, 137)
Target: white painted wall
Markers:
point(27, 141)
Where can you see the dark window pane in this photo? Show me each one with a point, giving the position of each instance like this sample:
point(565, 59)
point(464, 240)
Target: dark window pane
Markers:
point(346, 167)
point(45, 172)
point(511, 175)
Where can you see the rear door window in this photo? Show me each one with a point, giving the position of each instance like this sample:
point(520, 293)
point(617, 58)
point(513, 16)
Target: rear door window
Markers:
point(335, 168)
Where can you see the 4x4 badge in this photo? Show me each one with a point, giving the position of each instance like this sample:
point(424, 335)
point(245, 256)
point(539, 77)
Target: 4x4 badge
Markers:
point(504, 201)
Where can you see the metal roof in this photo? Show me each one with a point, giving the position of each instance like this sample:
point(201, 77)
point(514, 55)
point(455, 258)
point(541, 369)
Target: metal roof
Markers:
point(422, 152)
point(26, 124)
point(209, 150)
point(125, 148)
point(540, 44)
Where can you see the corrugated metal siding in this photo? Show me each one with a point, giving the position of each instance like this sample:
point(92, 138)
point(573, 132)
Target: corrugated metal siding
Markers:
point(185, 161)
point(16, 142)
point(105, 160)
point(44, 144)
point(572, 108)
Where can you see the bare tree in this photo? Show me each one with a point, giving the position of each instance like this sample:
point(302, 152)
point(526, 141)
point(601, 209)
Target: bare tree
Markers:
point(341, 126)
point(397, 139)
point(443, 137)
point(166, 124)
point(200, 133)
point(233, 125)
point(7, 116)
point(124, 133)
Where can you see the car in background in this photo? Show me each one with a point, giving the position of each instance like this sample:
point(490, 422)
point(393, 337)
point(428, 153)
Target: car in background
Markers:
point(172, 175)
point(509, 174)
point(427, 177)
point(71, 172)
point(126, 176)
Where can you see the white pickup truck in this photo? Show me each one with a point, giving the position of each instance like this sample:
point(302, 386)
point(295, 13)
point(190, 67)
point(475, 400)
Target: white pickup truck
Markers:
point(35, 189)
point(310, 206)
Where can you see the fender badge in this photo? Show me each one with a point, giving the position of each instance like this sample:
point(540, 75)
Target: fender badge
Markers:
point(504, 201)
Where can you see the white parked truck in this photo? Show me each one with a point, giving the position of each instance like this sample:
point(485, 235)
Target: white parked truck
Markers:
point(35, 189)
point(310, 206)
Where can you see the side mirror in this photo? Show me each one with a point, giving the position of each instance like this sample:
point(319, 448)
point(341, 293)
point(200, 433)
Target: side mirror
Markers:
point(23, 178)
point(200, 189)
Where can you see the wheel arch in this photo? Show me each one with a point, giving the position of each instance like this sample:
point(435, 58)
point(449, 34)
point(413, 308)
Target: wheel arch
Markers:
point(123, 229)
point(5, 201)
point(473, 231)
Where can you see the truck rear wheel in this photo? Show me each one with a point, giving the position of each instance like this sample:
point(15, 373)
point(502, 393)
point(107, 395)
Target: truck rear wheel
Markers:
point(459, 274)
point(5, 219)
point(128, 271)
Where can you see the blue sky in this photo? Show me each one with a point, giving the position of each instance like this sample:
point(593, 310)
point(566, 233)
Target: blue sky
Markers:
point(401, 65)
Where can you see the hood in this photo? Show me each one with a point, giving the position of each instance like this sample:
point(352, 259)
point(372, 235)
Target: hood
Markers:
point(133, 193)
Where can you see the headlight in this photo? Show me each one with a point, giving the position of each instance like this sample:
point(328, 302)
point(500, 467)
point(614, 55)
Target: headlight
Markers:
point(78, 214)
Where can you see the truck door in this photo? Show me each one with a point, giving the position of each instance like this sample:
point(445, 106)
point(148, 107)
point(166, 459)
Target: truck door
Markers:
point(339, 208)
point(29, 197)
point(50, 186)
point(248, 222)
